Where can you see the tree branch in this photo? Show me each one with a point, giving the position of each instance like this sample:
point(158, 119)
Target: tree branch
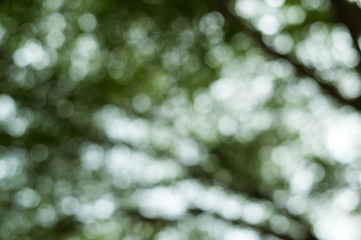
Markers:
point(260, 228)
point(254, 195)
point(350, 15)
point(238, 22)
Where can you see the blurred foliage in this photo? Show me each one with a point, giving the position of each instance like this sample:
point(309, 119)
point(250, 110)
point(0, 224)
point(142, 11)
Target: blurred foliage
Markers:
point(179, 120)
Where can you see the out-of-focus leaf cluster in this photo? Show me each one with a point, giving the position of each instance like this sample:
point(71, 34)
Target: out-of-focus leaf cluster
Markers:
point(186, 119)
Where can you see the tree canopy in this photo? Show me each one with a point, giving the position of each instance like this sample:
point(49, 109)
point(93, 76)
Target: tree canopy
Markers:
point(180, 119)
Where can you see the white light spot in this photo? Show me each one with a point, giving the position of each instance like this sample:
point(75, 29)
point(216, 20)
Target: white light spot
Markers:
point(56, 21)
point(222, 89)
point(27, 198)
point(347, 199)
point(240, 234)
point(341, 136)
point(17, 127)
point(295, 15)
point(2, 33)
point(11, 165)
point(247, 8)
point(188, 152)
point(87, 45)
point(268, 24)
point(46, 215)
point(55, 39)
point(92, 157)
point(103, 208)
point(275, 3)
point(227, 126)
point(161, 201)
point(231, 208)
point(53, 4)
point(31, 54)
point(126, 129)
point(78, 70)
point(87, 22)
point(280, 224)
point(7, 107)
point(211, 23)
point(297, 205)
point(70, 205)
point(335, 225)
point(142, 103)
point(302, 181)
point(283, 43)
point(203, 103)
point(253, 213)
point(3, 169)
point(85, 213)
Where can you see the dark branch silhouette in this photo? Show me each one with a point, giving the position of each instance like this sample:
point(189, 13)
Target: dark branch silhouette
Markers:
point(350, 15)
point(237, 22)
point(262, 229)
